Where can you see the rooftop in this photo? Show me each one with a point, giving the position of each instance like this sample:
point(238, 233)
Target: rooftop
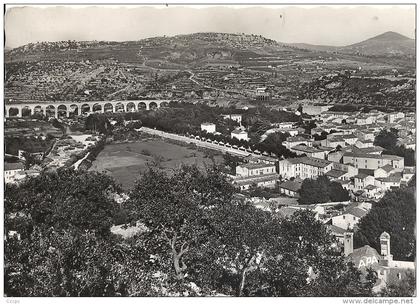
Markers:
point(355, 211)
point(336, 230)
point(255, 179)
point(363, 252)
point(291, 185)
point(361, 176)
point(238, 131)
point(394, 179)
point(335, 173)
point(298, 138)
point(305, 148)
point(388, 168)
point(13, 166)
point(310, 161)
point(393, 157)
point(255, 165)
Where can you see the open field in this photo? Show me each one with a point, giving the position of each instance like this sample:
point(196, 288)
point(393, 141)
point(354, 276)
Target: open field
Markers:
point(125, 161)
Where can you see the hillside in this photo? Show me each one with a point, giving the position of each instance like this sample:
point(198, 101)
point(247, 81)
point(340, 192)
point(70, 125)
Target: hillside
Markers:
point(180, 49)
point(208, 66)
point(387, 44)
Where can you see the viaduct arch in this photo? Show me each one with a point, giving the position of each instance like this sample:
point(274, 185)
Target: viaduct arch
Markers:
point(61, 108)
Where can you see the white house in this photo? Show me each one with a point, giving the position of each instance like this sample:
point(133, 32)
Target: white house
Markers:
point(290, 188)
point(260, 174)
point(239, 134)
point(233, 117)
point(304, 167)
point(255, 169)
point(372, 161)
point(388, 182)
point(349, 218)
point(296, 140)
point(362, 180)
point(12, 169)
point(384, 171)
point(208, 127)
point(308, 151)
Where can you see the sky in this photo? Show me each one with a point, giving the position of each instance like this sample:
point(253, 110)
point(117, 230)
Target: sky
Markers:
point(335, 25)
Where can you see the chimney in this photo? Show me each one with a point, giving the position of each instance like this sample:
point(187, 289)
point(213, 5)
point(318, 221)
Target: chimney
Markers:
point(348, 243)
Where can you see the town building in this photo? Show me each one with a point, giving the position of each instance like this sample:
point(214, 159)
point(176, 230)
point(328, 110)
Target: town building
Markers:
point(373, 161)
point(11, 170)
point(304, 167)
point(262, 94)
point(309, 151)
point(362, 180)
point(388, 270)
point(350, 217)
point(208, 127)
point(290, 187)
point(255, 169)
point(334, 141)
point(233, 117)
point(296, 140)
point(239, 134)
point(259, 174)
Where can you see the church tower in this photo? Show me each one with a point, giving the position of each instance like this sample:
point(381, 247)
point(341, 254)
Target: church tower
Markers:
point(348, 243)
point(385, 242)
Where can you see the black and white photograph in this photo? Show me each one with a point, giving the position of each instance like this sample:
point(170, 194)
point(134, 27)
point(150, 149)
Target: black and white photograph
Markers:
point(209, 150)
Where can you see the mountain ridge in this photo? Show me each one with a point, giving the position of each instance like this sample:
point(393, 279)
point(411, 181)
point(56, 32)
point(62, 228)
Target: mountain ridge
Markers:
point(386, 44)
point(186, 48)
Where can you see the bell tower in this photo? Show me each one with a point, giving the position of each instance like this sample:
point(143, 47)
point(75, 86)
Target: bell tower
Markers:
point(348, 243)
point(385, 242)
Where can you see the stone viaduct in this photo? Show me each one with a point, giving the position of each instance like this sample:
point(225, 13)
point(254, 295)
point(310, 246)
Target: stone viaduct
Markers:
point(59, 109)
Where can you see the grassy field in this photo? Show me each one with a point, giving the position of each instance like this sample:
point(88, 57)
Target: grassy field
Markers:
point(126, 161)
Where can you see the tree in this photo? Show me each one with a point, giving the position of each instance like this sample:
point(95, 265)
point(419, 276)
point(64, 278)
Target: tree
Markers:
point(231, 161)
point(65, 199)
point(302, 262)
point(337, 192)
point(274, 144)
point(395, 214)
point(62, 245)
point(314, 191)
point(98, 122)
point(30, 159)
point(321, 190)
point(404, 288)
point(386, 139)
point(175, 208)
point(197, 239)
point(241, 235)
point(60, 263)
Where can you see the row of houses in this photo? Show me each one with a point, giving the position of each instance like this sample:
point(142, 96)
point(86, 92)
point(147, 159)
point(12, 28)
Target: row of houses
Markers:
point(367, 175)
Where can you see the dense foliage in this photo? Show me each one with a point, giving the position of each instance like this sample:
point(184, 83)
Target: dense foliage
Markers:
point(395, 213)
point(196, 239)
point(322, 190)
point(388, 140)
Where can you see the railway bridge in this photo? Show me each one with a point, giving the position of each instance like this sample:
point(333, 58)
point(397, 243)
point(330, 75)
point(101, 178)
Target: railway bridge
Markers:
point(66, 109)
